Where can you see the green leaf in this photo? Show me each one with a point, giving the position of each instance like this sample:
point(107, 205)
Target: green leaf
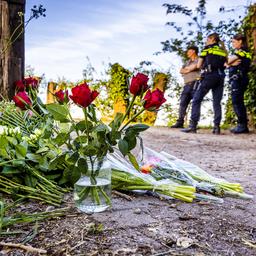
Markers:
point(18, 163)
point(10, 170)
point(101, 128)
point(82, 165)
point(75, 175)
point(133, 160)
point(123, 146)
point(61, 138)
point(81, 126)
point(12, 140)
point(116, 123)
point(72, 159)
point(70, 176)
point(82, 139)
point(44, 164)
point(3, 142)
point(30, 180)
point(56, 161)
point(42, 150)
point(59, 112)
point(90, 150)
point(33, 157)
point(21, 150)
point(53, 176)
point(4, 154)
point(139, 127)
point(132, 141)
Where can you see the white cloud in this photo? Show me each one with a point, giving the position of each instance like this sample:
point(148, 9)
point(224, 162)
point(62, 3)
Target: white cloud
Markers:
point(129, 37)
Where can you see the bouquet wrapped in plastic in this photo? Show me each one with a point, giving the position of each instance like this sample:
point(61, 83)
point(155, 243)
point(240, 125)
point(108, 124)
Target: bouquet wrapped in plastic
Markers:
point(126, 177)
point(170, 176)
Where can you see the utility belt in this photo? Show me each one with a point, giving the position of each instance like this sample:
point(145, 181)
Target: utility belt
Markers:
point(235, 74)
point(210, 70)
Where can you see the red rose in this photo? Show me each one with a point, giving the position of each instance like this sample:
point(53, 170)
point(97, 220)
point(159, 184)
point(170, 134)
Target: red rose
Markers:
point(139, 84)
point(82, 95)
point(31, 82)
point(153, 100)
point(62, 96)
point(21, 100)
point(19, 85)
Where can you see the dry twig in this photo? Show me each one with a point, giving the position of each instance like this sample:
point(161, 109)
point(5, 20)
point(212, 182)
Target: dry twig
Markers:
point(24, 247)
point(128, 198)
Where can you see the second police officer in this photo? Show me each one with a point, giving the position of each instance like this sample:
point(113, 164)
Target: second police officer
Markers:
point(239, 65)
point(211, 61)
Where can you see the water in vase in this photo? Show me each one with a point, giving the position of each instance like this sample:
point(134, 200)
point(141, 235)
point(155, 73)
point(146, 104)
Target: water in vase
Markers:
point(91, 198)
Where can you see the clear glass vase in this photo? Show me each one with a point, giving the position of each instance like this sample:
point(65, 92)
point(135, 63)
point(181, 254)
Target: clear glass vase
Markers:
point(92, 192)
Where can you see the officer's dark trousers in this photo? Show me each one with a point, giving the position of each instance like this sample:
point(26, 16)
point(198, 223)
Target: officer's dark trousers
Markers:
point(185, 98)
point(238, 88)
point(212, 81)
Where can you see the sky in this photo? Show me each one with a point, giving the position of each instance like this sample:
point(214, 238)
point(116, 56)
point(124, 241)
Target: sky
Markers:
point(123, 31)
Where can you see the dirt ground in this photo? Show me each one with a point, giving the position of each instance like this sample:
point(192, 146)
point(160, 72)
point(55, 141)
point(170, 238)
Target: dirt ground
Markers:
point(146, 225)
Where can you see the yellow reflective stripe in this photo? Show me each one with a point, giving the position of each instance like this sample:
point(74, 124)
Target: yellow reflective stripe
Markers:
point(215, 51)
point(248, 55)
point(243, 54)
point(204, 53)
point(220, 53)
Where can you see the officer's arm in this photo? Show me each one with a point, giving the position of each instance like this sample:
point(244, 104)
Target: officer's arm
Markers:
point(200, 63)
point(188, 69)
point(233, 60)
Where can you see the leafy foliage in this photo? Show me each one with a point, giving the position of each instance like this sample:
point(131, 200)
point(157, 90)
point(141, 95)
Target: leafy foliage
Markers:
point(118, 84)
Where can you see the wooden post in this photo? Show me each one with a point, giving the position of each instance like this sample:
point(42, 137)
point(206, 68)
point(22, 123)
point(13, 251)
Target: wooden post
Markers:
point(12, 57)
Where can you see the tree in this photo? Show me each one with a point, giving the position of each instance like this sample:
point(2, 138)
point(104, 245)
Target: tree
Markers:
point(12, 51)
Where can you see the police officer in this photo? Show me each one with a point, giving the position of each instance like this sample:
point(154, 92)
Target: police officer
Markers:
point(190, 74)
point(211, 61)
point(239, 65)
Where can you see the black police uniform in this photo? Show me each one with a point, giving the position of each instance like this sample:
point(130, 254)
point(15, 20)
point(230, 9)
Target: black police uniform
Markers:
point(212, 78)
point(239, 80)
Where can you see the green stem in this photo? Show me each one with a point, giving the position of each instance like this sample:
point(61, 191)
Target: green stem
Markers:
point(108, 201)
point(133, 118)
point(95, 195)
point(129, 108)
point(86, 123)
point(76, 130)
point(83, 194)
point(9, 161)
point(88, 138)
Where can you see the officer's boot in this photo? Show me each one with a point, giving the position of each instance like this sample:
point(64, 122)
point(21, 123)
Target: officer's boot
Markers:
point(191, 128)
point(178, 124)
point(216, 129)
point(240, 128)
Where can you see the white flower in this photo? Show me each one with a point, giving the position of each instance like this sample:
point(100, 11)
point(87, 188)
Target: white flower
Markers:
point(2, 129)
point(16, 130)
point(33, 137)
point(37, 132)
